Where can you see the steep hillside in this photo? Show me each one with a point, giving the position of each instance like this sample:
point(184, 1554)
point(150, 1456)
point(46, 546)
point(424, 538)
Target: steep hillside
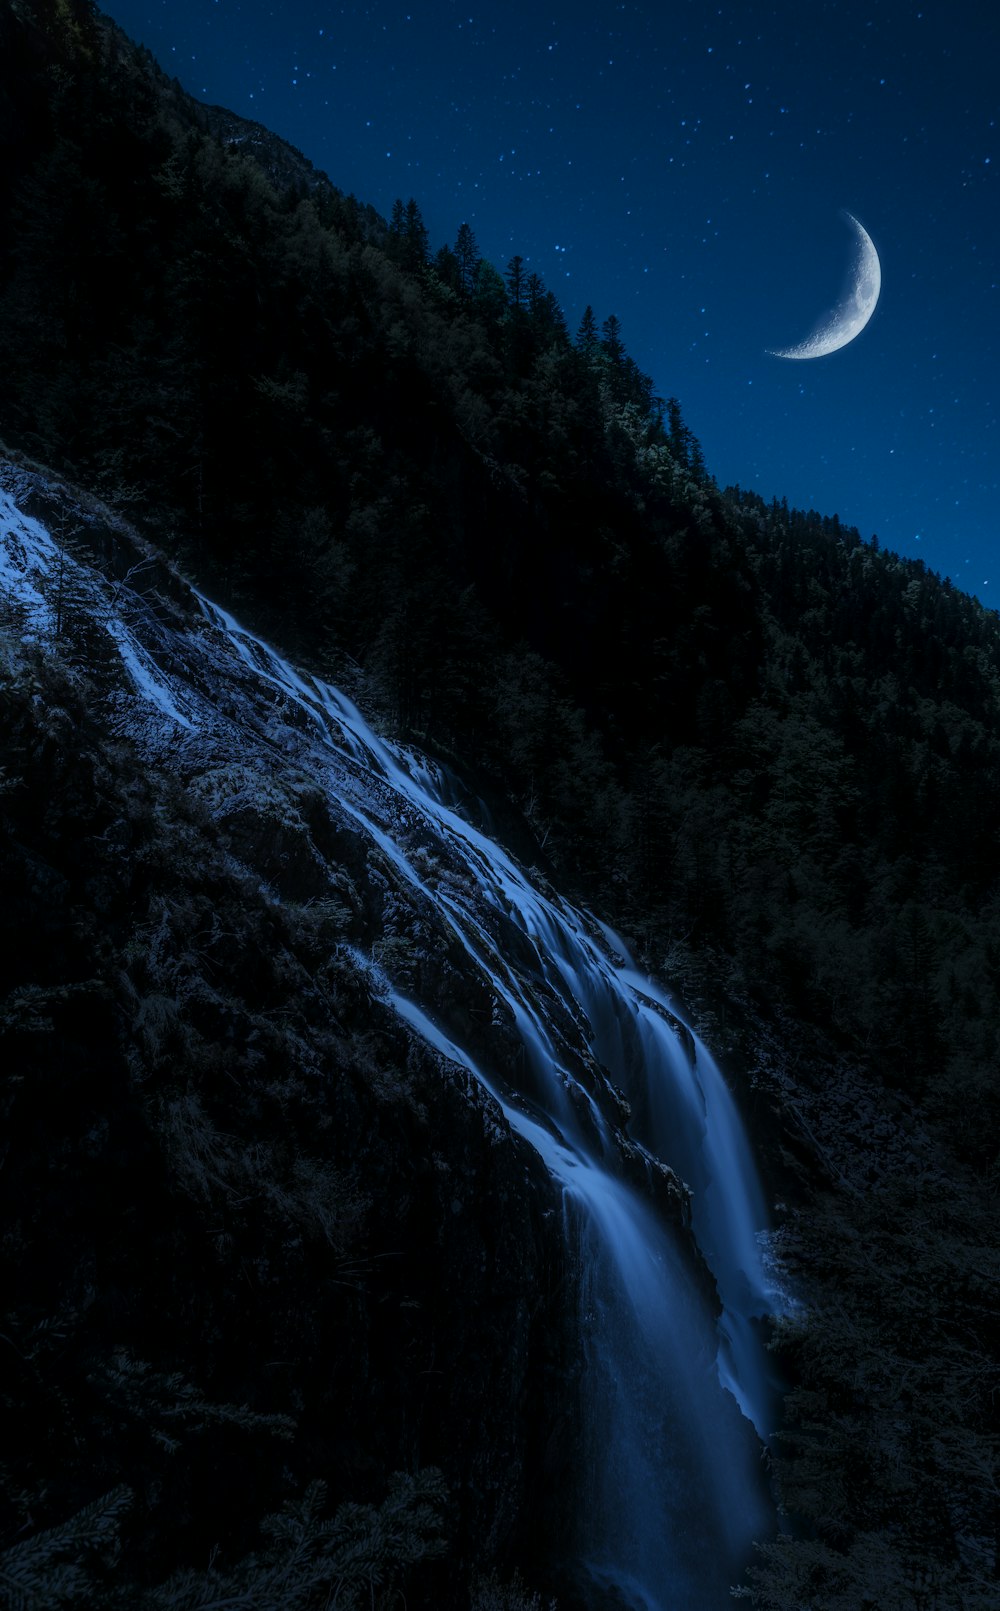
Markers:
point(333, 1011)
point(243, 1243)
point(767, 749)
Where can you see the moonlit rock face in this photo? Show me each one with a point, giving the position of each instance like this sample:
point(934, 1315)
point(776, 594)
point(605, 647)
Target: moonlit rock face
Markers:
point(584, 1061)
point(851, 315)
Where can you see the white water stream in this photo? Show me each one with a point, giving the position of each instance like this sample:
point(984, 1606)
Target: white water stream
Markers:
point(669, 1493)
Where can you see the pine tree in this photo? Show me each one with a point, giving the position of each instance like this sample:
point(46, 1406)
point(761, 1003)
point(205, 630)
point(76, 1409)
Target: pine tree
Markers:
point(516, 282)
point(586, 337)
point(353, 1559)
point(468, 257)
point(56, 1567)
point(678, 435)
point(555, 317)
point(446, 268)
point(696, 461)
point(415, 237)
point(490, 293)
point(612, 344)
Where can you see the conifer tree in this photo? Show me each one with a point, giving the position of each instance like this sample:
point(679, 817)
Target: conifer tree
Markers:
point(696, 460)
point(446, 268)
point(535, 294)
point(55, 1567)
point(678, 435)
point(490, 293)
point(516, 282)
point(587, 339)
point(555, 316)
point(415, 237)
point(468, 257)
point(612, 344)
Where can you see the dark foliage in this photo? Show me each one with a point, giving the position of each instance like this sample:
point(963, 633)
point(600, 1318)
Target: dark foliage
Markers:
point(237, 1301)
point(769, 749)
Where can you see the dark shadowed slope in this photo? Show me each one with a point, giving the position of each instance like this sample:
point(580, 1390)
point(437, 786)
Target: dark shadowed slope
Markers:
point(765, 749)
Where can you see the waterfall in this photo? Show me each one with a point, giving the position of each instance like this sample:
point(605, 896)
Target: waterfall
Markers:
point(608, 1086)
point(671, 1493)
point(669, 1476)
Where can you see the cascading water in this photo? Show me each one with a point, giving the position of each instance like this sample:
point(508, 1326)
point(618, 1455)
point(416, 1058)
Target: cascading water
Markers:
point(669, 1487)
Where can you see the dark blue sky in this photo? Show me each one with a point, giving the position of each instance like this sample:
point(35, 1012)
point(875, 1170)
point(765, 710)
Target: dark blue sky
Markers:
point(683, 165)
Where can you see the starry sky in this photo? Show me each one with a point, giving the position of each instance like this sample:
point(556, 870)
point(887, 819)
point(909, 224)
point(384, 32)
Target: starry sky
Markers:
point(684, 164)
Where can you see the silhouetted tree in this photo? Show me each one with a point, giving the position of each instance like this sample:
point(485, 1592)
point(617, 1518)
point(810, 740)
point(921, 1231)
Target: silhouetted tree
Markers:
point(516, 282)
point(415, 237)
point(446, 268)
point(612, 344)
point(554, 316)
point(535, 293)
point(468, 258)
point(490, 293)
point(678, 435)
point(587, 339)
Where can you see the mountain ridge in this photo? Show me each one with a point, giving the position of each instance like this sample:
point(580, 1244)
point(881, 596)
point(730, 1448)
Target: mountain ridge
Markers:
point(768, 750)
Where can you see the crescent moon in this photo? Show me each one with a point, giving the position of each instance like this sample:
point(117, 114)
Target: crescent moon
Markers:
point(853, 312)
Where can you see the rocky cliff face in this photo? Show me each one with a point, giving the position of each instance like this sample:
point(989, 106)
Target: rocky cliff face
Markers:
point(231, 1168)
point(359, 1138)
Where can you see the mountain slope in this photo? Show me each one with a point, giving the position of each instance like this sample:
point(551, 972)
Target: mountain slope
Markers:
point(767, 749)
point(232, 1193)
point(321, 885)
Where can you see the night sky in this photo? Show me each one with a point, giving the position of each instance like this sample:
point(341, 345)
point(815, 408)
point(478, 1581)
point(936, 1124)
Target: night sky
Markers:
point(684, 166)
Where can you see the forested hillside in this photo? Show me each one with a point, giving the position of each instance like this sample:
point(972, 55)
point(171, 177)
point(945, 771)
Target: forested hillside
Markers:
point(767, 749)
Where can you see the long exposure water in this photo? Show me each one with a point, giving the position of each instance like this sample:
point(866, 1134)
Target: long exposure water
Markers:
point(675, 1394)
